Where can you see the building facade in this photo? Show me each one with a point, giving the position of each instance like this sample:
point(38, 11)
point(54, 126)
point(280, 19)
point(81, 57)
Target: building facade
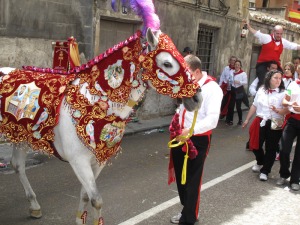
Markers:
point(27, 29)
point(211, 28)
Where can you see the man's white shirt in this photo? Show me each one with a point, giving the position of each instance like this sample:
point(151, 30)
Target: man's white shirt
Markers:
point(208, 114)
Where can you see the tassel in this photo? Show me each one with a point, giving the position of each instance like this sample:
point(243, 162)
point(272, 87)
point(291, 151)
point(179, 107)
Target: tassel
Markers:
point(184, 168)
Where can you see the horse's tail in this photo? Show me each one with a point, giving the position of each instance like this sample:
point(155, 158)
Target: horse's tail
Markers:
point(146, 10)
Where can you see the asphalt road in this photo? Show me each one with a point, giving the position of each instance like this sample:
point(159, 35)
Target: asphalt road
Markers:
point(135, 191)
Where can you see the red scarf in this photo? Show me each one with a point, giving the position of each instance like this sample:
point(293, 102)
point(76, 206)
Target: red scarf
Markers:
point(254, 134)
point(239, 72)
point(287, 77)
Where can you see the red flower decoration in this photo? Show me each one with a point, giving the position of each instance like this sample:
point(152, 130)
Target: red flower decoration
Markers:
point(176, 130)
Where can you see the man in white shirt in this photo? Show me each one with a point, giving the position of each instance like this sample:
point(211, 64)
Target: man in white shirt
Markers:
point(272, 47)
point(206, 120)
point(225, 83)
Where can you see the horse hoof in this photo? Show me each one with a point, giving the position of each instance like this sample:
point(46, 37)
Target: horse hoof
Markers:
point(35, 213)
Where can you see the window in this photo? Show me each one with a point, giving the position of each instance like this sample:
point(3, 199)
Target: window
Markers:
point(252, 5)
point(265, 3)
point(205, 46)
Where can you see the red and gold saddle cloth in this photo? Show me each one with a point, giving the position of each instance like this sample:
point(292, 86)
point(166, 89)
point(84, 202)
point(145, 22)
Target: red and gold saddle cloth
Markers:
point(29, 106)
point(109, 77)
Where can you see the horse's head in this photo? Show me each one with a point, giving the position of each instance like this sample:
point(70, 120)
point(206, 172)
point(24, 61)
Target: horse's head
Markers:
point(166, 71)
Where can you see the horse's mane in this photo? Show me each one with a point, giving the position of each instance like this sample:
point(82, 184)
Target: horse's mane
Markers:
point(144, 9)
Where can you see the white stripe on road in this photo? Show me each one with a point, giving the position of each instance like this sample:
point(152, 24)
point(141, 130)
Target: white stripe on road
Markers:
point(157, 209)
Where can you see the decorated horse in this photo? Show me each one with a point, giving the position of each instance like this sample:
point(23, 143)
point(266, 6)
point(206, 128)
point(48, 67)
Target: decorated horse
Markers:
point(85, 110)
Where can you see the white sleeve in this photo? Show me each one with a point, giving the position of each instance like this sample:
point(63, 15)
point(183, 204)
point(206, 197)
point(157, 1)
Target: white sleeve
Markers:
point(296, 76)
point(263, 38)
point(210, 108)
point(244, 79)
point(252, 88)
point(289, 45)
point(255, 103)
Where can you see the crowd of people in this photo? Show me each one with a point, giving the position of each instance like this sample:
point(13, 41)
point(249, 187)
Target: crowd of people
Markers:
point(275, 106)
point(273, 119)
point(275, 126)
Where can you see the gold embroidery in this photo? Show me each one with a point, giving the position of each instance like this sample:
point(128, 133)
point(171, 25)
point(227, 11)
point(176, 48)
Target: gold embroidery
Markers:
point(23, 117)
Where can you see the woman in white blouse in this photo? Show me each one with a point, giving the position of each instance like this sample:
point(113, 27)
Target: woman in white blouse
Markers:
point(239, 79)
point(267, 105)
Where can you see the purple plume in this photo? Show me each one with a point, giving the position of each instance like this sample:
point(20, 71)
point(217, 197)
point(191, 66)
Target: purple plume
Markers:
point(144, 9)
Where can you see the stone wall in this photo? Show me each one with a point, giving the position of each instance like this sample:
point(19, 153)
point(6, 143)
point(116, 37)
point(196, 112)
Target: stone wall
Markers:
point(181, 22)
point(27, 29)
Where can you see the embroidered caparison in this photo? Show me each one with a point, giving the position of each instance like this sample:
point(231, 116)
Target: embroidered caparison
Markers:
point(111, 81)
point(29, 107)
point(100, 86)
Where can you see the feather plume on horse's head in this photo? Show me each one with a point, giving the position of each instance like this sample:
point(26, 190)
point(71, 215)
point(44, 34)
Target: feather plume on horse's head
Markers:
point(144, 9)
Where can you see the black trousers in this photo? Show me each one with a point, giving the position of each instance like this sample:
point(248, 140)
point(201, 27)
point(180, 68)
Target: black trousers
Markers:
point(290, 132)
point(234, 103)
point(271, 139)
point(189, 193)
point(245, 100)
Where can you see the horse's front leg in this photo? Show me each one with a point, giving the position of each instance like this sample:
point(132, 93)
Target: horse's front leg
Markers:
point(98, 219)
point(89, 191)
point(18, 162)
point(81, 215)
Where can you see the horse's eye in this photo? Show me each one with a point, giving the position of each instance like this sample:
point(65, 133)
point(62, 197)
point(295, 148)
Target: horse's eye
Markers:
point(167, 65)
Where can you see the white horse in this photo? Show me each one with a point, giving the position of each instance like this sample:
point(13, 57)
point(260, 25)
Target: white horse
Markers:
point(69, 145)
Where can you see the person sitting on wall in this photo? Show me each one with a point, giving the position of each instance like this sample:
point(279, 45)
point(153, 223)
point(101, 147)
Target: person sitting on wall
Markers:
point(272, 47)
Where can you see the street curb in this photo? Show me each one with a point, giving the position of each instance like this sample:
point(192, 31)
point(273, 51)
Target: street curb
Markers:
point(137, 131)
point(148, 125)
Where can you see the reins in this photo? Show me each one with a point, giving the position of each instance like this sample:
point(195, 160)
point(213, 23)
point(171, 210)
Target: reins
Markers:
point(171, 144)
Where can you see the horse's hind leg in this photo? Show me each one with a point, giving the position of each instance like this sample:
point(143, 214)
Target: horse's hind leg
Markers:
point(18, 162)
point(89, 191)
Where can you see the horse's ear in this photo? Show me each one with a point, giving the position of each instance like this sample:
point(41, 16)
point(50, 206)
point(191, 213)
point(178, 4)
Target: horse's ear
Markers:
point(151, 38)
